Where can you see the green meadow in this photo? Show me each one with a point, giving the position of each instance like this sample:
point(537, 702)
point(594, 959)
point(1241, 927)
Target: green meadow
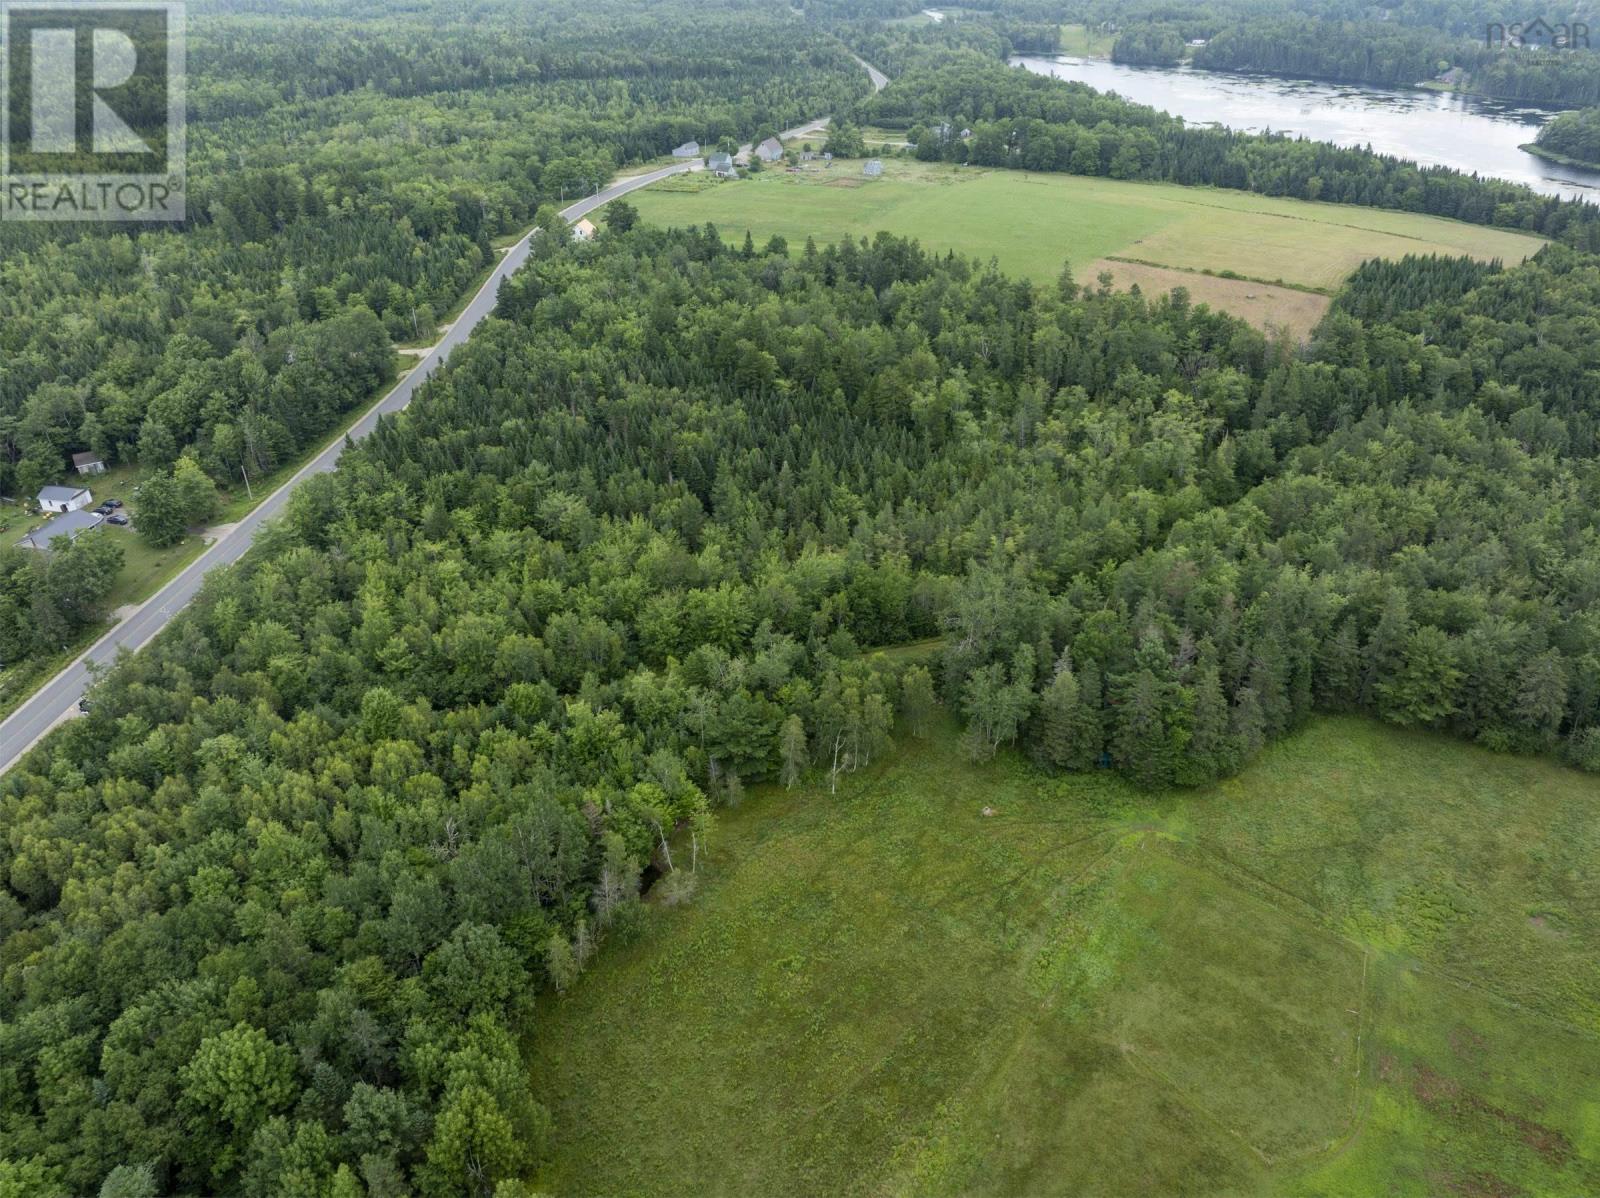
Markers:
point(1367, 965)
point(1032, 223)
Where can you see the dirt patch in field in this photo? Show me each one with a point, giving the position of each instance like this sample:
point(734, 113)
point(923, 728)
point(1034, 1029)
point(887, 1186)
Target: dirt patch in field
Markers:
point(1448, 1098)
point(1264, 305)
point(1477, 1185)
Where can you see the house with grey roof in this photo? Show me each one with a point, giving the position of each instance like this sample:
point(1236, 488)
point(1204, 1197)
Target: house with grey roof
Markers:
point(770, 150)
point(88, 463)
point(721, 164)
point(69, 524)
point(689, 149)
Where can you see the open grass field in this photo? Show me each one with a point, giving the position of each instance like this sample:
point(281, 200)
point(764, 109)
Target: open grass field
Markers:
point(1033, 223)
point(1366, 966)
point(1084, 42)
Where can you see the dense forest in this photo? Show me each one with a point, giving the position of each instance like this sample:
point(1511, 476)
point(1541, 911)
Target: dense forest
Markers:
point(1025, 121)
point(1393, 55)
point(1148, 44)
point(348, 178)
point(277, 913)
point(274, 912)
point(1574, 136)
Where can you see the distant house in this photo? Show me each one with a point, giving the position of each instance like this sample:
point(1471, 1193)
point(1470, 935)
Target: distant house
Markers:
point(1197, 41)
point(770, 150)
point(807, 155)
point(69, 524)
point(64, 499)
point(827, 155)
point(1538, 33)
point(88, 463)
point(873, 168)
point(966, 135)
point(689, 149)
point(722, 164)
point(584, 230)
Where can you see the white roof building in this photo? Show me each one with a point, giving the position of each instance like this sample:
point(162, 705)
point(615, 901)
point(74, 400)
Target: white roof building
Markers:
point(63, 499)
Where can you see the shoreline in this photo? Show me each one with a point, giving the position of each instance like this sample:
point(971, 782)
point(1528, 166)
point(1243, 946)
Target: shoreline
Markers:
point(1539, 151)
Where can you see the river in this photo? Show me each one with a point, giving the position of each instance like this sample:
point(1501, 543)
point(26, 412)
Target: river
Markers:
point(1433, 128)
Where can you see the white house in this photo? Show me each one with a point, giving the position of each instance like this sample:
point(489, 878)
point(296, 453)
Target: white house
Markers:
point(689, 149)
point(583, 230)
point(68, 525)
point(770, 150)
point(722, 164)
point(873, 168)
point(88, 463)
point(64, 499)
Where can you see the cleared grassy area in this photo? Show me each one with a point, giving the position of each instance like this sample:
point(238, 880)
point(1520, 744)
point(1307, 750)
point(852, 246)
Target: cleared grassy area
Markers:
point(1264, 305)
point(1364, 966)
point(1032, 223)
point(1082, 42)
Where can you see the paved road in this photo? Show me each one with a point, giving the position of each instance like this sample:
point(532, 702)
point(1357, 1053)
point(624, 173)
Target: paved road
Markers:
point(879, 79)
point(59, 697)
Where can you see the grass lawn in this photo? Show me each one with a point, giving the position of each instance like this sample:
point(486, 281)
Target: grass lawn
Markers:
point(1365, 966)
point(1032, 223)
point(1081, 42)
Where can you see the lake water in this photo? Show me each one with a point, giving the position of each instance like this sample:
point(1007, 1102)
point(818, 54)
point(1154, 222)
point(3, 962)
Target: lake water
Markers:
point(1431, 128)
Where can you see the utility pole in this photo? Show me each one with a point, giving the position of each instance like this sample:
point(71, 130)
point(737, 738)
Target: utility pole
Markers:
point(247, 489)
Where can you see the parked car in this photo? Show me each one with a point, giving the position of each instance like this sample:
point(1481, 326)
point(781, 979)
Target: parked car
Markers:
point(116, 519)
point(113, 503)
point(105, 509)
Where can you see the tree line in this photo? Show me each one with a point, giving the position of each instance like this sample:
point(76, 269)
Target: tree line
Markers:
point(1573, 135)
point(1024, 121)
point(348, 178)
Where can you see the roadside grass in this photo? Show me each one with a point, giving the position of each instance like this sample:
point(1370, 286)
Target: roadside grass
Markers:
point(1366, 965)
point(1032, 223)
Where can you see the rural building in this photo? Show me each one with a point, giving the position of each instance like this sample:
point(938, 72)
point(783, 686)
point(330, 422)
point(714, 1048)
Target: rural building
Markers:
point(64, 499)
point(722, 164)
point(873, 168)
point(69, 524)
point(689, 149)
point(584, 230)
point(807, 155)
point(966, 135)
point(88, 463)
point(770, 150)
point(1197, 42)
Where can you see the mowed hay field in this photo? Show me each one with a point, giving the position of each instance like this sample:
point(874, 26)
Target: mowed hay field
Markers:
point(1366, 966)
point(1033, 223)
